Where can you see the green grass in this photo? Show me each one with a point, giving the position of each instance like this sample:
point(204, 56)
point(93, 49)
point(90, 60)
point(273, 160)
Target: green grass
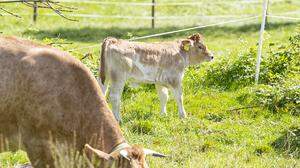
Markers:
point(214, 134)
point(9, 159)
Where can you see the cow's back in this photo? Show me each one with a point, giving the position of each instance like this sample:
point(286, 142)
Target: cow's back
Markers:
point(17, 76)
point(44, 91)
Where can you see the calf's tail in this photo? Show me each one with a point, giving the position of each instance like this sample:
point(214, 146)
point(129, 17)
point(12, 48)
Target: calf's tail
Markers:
point(102, 60)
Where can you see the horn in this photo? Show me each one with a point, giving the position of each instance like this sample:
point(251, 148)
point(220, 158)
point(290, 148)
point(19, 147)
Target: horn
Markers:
point(153, 153)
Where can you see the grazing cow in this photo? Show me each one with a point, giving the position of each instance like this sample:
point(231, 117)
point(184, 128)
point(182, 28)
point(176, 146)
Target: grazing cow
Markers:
point(162, 64)
point(47, 94)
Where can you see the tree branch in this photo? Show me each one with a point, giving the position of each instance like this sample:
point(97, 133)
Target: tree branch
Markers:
point(46, 4)
point(241, 108)
point(86, 55)
point(6, 11)
point(57, 11)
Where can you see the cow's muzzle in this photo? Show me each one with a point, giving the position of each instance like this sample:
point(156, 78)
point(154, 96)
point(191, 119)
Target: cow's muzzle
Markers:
point(211, 56)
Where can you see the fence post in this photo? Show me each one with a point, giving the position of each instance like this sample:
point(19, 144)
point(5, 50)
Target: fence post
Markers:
point(35, 13)
point(153, 14)
point(267, 13)
point(261, 36)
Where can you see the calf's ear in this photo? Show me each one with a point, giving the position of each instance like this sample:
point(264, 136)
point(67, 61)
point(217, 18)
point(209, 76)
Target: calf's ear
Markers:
point(186, 45)
point(100, 154)
point(196, 37)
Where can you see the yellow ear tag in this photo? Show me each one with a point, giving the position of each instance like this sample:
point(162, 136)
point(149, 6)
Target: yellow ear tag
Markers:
point(186, 47)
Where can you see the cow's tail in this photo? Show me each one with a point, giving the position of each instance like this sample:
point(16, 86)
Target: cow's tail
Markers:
point(102, 60)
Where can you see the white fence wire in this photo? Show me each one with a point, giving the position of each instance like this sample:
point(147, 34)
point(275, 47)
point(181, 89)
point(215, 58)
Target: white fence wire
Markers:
point(182, 17)
point(283, 17)
point(149, 17)
point(176, 31)
point(191, 3)
point(199, 16)
point(196, 27)
point(277, 15)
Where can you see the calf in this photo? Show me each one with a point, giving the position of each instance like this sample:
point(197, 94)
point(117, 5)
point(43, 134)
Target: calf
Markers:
point(161, 64)
point(47, 94)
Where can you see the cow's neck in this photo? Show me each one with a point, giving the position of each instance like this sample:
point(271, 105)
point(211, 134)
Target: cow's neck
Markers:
point(112, 133)
point(107, 130)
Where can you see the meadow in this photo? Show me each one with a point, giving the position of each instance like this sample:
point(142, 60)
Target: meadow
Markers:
point(231, 121)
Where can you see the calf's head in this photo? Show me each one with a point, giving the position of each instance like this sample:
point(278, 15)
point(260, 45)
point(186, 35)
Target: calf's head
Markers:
point(195, 49)
point(128, 157)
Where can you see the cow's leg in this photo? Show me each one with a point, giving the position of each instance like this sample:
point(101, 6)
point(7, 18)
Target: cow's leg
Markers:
point(163, 96)
point(39, 152)
point(116, 90)
point(10, 136)
point(179, 100)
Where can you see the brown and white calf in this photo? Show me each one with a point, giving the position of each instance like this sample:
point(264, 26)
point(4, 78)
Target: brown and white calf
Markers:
point(161, 64)
point(46, 93)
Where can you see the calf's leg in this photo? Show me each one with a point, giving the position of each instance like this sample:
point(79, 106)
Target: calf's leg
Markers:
point(116, 90)
point(179, 100)
point(163, 96)
point(103, 86)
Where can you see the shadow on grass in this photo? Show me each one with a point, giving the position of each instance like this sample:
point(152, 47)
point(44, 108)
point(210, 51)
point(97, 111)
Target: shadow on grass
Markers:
point(289, 142)
point(96, 34)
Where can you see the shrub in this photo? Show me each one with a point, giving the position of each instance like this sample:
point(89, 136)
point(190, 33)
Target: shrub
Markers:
point(289, 142)
point(238, 69)
point(231, 72)
point(277, 98)
point(281, 60)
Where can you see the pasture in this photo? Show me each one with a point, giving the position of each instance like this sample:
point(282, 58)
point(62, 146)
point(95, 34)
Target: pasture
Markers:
point(224, 128)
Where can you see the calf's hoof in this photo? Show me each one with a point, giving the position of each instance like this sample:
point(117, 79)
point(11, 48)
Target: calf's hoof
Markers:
point(182, 116)
point(118, 118)
point(163, 114)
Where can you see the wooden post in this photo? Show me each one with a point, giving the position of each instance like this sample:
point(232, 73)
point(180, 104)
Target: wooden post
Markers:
point(35, 13)
point(153, 14)
point(261, 36)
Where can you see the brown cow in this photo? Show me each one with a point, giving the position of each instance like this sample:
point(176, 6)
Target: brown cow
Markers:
point(46, 93)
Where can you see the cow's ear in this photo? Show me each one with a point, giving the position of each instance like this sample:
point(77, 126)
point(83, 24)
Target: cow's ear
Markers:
point(100, 154)
point(196, 37)
point(186, 45)
point(124, 153)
